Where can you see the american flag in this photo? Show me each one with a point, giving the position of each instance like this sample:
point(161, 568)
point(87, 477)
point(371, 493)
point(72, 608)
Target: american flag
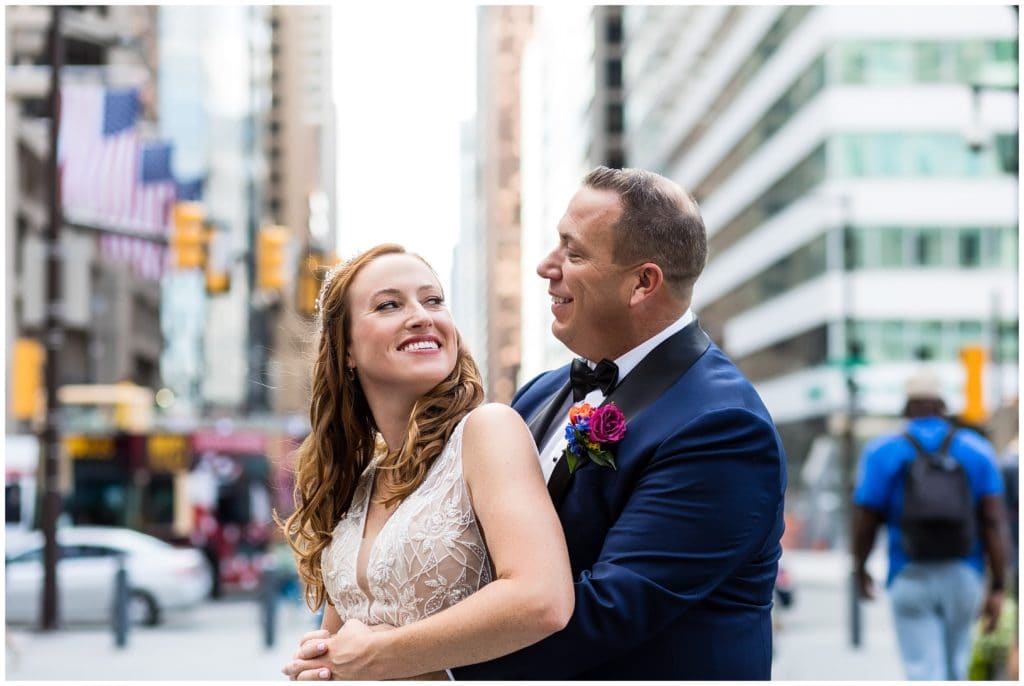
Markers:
point(110, 178)
point(98, 149)
point(152, 199)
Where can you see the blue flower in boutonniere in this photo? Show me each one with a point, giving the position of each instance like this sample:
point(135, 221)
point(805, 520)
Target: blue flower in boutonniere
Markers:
point(590, 433)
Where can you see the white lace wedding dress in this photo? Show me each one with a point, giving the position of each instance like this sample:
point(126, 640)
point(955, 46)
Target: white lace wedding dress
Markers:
point(429, 555)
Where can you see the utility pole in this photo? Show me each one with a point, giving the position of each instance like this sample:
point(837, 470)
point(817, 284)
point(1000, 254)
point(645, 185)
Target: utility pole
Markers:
point(256, 400)
point(53, 340)
point(851, 359)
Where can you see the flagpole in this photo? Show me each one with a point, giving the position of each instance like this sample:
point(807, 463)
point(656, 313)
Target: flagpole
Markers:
point(53, 340)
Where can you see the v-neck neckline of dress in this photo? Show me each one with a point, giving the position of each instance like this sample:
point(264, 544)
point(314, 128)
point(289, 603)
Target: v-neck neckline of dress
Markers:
point(372, 479)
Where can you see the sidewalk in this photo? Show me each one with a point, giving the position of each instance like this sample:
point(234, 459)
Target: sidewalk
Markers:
point(217, 641)
point(812, 638)
point(224, 641)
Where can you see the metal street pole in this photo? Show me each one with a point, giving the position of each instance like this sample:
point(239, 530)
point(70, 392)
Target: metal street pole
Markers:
point(49, 438)
point(851, 350)
point(257, 400)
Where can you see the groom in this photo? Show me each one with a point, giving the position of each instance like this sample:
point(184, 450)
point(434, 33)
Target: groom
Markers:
point(676, 548)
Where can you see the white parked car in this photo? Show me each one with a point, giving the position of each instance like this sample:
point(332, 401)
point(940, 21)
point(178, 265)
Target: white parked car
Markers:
point(160, 576)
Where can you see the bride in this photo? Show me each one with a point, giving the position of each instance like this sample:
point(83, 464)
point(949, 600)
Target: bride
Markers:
point(422, 519)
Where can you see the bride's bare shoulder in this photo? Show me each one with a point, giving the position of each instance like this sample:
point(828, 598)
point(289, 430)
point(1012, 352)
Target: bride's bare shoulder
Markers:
point(493, 425)
point(490, 415)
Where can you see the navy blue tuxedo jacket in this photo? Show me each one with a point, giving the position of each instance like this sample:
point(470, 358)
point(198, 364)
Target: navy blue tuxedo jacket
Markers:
point(674, 552)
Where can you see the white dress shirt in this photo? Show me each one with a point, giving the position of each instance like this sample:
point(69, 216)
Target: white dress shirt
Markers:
point(554, 439)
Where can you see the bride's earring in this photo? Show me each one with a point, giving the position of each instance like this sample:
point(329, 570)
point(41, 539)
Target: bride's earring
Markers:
point(351, 373)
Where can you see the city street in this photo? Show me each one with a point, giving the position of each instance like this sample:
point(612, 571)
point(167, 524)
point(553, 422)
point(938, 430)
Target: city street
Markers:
point(220, 640)
point(223, 640)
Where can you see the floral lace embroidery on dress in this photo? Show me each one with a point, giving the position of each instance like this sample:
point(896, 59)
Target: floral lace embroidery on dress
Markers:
point(429, 555)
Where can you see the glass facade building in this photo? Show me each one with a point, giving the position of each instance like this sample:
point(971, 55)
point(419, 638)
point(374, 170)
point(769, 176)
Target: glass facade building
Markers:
point(858, 181)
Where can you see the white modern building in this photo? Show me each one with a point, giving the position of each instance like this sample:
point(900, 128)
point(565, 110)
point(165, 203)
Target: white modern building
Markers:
point(860, 200)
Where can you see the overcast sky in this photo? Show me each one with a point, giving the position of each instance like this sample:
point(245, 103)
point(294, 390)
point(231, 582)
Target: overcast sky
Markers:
point(404, 80)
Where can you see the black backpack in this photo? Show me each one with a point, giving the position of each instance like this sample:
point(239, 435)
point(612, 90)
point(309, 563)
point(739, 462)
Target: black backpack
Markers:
point(939, 521)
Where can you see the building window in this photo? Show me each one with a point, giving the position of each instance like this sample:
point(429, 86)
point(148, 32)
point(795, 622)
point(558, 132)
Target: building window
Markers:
point(1005, 145)
point(891, 247)
point(807, 85)
point(790, 186)
point(787, 22)
point(854, 248)
point(807, 349)
point(614, 73)
point(969, 248)
point(613, 29)
point(889, 62)
point(615, 119)
point(906, 154)
point(902, 341)
point(800, 266)
point(927, 248)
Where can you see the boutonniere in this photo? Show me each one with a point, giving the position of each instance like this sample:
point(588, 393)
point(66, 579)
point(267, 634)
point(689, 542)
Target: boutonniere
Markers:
point(591, 432)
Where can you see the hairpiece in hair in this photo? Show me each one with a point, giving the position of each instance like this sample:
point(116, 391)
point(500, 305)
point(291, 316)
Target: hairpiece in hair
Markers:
point(328, 278)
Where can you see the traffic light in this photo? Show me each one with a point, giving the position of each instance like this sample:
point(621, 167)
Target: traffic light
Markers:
point(217, 282)
point(270, 246)
point(309, 285)
point(973, 359)
point(188, 237)
point(27, 381)
point(218, 276)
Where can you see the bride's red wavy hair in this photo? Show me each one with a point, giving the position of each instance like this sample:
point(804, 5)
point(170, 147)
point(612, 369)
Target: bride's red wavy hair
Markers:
point(343, 438)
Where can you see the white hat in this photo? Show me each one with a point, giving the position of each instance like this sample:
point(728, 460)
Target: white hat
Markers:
point(923, 384)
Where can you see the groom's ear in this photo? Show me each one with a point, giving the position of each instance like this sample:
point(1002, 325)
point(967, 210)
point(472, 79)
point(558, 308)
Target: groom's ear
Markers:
point(648, 279)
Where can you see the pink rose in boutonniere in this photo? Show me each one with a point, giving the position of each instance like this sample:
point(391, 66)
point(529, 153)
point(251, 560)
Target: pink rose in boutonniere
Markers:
point(590, 433)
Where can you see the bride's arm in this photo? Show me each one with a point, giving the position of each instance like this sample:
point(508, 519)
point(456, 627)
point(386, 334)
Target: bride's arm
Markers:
point(331, 622)
point(532, 594)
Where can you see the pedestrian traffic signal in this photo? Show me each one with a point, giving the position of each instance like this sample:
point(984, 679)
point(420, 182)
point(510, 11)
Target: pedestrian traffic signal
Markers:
point(973, 359)
point(188, 236)
point(27, 382)
point(270, 246)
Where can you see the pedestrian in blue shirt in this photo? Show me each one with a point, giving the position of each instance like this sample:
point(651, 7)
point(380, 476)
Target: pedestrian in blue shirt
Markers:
point(935, 599)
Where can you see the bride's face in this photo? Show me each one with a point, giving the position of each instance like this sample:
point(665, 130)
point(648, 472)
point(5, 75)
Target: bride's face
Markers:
point(402, 338)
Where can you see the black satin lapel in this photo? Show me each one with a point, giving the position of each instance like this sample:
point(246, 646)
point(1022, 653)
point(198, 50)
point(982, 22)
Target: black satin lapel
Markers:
point(659, 370)
point(558, 481)
point(541, 419)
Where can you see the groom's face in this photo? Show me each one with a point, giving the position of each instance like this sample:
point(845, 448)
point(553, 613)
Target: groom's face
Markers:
point(589, 292)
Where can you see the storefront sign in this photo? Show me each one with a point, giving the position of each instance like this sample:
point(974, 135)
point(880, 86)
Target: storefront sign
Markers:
point(234, 443)
point(168, 453)
point(82, 447)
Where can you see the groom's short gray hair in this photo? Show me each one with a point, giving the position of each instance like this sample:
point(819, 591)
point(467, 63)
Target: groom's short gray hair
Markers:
point(660, 223)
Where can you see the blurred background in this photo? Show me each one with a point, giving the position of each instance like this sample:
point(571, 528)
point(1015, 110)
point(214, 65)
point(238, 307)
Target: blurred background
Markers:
point(857, 169)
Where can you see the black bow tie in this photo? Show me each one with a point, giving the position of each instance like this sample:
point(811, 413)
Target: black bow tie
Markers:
point(584, 379)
